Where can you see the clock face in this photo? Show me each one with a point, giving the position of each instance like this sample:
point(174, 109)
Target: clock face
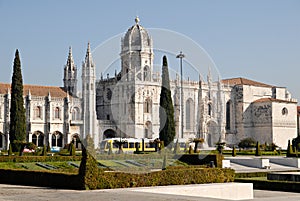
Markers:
point(284, 111)
point(108, 94)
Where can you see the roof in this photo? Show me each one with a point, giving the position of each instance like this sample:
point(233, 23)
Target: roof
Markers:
point(244, 81)
point(136, 36)
point(36, 90)
point(261, 100)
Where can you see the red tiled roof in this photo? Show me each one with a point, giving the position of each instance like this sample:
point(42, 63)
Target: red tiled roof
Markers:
point(243, 81)
point(37, 90)
point(261, 100)
point(298, 110)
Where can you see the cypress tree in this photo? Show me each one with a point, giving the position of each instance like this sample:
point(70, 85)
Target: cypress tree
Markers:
point(17, 131)
point(257, 150)
point(166, 109)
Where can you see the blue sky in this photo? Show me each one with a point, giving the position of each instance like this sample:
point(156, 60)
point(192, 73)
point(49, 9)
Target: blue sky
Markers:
point(259, 40)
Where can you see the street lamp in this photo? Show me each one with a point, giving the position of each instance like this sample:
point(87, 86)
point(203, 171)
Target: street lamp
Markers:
point(181, 56)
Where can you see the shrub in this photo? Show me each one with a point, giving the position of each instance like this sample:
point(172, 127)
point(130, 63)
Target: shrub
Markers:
point(10, 150)
point(257, 150)
point(247, 143)
point(233, 151)
point(44, 153)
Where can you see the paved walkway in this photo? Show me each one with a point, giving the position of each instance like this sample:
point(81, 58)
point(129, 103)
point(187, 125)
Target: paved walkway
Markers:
point(24, 193)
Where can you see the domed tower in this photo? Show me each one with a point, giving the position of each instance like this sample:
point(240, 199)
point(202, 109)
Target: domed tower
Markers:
point(136, 54)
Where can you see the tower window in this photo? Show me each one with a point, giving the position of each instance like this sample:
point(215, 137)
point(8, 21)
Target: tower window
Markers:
point(148, 105)
point(37, 112)
point(209, 109)
point(76, 114)
point(146, 73)
point(228, 108)
point(57, 113)
point(189, 108)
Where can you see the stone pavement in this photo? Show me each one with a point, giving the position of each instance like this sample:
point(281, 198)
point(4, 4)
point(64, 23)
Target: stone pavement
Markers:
point(24, 193)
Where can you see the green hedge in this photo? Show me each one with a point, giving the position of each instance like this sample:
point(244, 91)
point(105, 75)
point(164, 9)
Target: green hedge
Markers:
point(28, 159)
point(161, 178)
point(202, 159)
point(39, 178)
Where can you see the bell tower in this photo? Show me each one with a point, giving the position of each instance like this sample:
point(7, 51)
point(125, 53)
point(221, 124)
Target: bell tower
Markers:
point(89, 97)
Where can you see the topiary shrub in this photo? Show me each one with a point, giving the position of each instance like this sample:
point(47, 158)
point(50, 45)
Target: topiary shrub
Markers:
point(233, 151)
point(72, 150)
point(247, 143)
point(257, 149)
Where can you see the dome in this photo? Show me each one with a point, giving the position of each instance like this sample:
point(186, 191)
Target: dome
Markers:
point(136, 38)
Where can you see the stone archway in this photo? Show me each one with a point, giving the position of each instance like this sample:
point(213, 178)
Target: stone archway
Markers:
point(212, 133)
point(76, 141)
point(109, 133)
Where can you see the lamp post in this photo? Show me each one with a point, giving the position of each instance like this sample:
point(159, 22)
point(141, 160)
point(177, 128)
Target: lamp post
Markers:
point(181, 56)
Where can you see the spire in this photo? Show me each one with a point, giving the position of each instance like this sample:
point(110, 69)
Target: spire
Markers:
point(70, 60)
point(88, 57)
point(209, 78)
point(89, 47)
point(70, 74)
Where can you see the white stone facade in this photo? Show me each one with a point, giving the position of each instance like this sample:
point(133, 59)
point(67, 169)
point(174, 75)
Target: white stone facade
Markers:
point(127, 104)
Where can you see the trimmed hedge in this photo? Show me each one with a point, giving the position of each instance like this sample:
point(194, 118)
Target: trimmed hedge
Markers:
point(28, 159)
point(202, 159)
point(39, 178)
point(104, 180)
point(92, 177)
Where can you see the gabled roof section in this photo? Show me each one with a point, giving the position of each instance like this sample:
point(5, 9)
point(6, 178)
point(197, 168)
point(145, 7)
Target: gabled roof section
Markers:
point(244, 81)
point(262, 100)
point(36, 90)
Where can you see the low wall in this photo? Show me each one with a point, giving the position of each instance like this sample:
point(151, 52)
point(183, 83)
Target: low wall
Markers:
point(284, 176)
point(252, 162)
point(292, 162)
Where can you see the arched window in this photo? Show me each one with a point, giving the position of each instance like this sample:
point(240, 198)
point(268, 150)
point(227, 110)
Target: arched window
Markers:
point(76, 113)
point(146, 73)
point(37, 112)
point(34, 139)
point(148, 106)
point(57, 113)
point(38, 139)
point(57, 139)
point(228, 108)
point(209, 109)
point(189, 108)
point(76, 141)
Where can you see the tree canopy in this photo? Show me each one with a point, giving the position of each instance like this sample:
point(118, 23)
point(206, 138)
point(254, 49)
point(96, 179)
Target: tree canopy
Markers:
point(166, 109)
